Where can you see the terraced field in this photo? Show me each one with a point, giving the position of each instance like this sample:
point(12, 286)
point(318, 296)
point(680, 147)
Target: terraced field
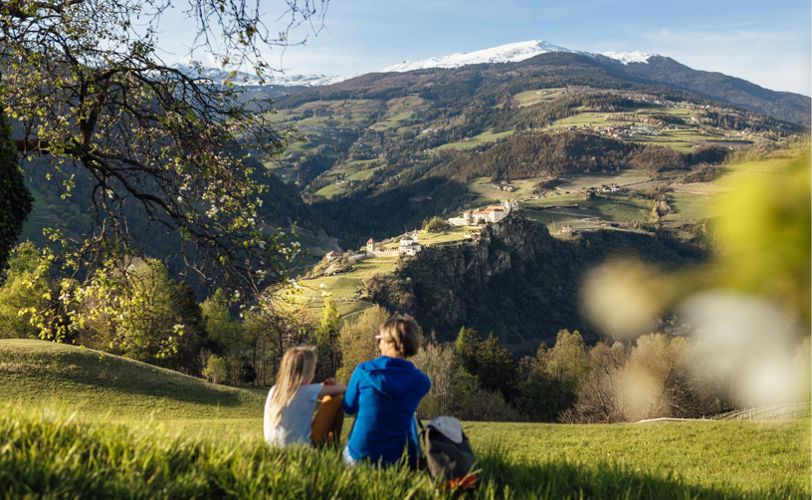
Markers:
point(343, 287)
point(682, 137)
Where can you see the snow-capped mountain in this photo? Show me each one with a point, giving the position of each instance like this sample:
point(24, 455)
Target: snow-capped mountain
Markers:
point(247, 79)
point(511, 52)
point(629, 57)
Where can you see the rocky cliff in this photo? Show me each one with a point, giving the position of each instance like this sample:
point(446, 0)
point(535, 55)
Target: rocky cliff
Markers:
point(517, 281)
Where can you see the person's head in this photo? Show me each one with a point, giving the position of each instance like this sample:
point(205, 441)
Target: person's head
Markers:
point(298, 368)
point(399, 337)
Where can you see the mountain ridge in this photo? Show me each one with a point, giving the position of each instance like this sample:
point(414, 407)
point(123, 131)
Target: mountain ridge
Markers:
point(510, 52)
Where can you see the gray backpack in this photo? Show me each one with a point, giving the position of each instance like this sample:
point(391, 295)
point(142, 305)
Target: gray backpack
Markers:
point(448, 453)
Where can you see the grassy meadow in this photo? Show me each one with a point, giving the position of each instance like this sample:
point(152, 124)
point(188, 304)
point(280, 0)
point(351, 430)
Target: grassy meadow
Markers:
point(75, 422)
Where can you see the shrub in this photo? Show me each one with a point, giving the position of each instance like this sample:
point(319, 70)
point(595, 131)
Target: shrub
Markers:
point(436, 225)
point(26, 286)
point(215, 370)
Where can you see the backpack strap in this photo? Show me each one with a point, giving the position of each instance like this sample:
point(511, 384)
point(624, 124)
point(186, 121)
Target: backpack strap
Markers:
point(419, 423)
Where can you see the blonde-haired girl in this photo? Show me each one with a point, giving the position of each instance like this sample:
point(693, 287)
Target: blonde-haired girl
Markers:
point(292, 401)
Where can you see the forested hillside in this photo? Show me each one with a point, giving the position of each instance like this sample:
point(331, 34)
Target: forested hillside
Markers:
point(408, 145)
point(517, 282)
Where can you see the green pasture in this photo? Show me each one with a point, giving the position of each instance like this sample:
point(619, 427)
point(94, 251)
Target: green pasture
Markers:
point(342, 288)
point(487, 192)
point(683, 138)
point(353, 170)
point(392, 121)
point(486, 137)
point(78, 423)
point(453, 235)
point(533, 97)
point(694, 202)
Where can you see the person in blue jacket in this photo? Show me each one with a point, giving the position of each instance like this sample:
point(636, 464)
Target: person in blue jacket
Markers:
point(384, 394)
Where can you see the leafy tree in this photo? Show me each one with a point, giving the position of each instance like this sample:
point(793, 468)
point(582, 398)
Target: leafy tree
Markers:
point(15, 200)
point(92, 95)
point(492, 364)
point(436, 225)
point(466, 348)
point(555, 375)
point(456, 392)
point(131, 308)
point(270, 330)
point(326, 336)
point(221, 328)
point(190, 345)
point(496, 369)
point(356, 339)
point(26, 287)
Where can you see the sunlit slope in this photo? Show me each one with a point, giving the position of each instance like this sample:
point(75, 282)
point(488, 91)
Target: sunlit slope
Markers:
point(35, 373)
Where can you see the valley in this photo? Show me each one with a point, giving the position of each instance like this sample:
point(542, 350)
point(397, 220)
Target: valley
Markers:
point(275, 250)
point(575, 209)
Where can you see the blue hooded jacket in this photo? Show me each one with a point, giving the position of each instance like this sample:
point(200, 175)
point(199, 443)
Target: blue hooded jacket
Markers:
point(384, 393)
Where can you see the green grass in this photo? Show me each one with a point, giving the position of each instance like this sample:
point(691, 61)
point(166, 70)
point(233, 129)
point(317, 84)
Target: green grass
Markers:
point(533, 97)
point(354, 170)
point(116, 446)
point(573, 210)
point(486, 137)
point(392, 121)
point(682, 138)
point(342, 288)
point(453, 235)
point(34, 373)
point(331, 191)
point(487, 192)
point(58, 456)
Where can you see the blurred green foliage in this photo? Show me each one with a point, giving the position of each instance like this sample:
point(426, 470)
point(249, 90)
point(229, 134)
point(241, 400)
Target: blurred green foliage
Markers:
point(762, 235)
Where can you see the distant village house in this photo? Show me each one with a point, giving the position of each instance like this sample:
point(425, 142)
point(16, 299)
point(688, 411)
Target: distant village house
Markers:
point(408, 245)
point(491, 214)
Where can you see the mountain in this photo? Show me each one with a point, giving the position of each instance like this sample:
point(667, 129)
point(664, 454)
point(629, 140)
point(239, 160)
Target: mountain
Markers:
point(723, 88)
point(511, 52)
point(374, 142)
point(241, 78)
point(638, 67)
point(651, 68)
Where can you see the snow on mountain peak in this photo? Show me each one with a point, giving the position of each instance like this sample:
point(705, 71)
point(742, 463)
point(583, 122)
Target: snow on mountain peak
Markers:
point(511, 52)
point(240, 78)
point(629, 57)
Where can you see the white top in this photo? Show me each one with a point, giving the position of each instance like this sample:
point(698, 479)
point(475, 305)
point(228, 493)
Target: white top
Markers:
point(294, 426)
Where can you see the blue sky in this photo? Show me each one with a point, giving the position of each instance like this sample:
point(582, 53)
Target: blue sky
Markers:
point(766, 41)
